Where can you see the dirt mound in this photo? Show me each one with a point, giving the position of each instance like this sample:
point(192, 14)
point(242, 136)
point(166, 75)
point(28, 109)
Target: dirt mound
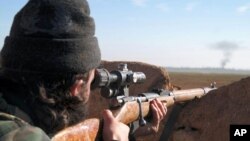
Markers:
point(209, 118)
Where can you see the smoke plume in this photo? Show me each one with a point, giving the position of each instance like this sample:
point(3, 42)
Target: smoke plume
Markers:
point(227, 48)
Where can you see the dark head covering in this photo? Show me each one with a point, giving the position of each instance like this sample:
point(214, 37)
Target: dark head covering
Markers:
point(52, 36)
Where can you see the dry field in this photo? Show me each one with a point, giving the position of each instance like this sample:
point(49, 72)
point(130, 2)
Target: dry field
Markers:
point(193, 80)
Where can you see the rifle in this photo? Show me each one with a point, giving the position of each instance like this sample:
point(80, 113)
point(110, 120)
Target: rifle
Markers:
point(127, 109)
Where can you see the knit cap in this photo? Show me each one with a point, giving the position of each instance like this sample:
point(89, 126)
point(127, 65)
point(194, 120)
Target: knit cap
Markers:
point(52, 36)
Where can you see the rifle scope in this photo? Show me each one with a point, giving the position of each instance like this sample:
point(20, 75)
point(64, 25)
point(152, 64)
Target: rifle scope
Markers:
point(115, 82)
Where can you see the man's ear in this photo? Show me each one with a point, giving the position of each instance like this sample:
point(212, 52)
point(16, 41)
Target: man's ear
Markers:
point(76, 88)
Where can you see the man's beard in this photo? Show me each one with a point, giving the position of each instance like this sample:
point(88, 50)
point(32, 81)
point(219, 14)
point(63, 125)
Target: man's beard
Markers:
point(65, 112)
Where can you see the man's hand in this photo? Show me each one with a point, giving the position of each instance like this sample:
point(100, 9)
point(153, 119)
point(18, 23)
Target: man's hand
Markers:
point(114, 130)
point(159, 111)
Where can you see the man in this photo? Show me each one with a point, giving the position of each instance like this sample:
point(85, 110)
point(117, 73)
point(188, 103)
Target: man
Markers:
point(48, 63)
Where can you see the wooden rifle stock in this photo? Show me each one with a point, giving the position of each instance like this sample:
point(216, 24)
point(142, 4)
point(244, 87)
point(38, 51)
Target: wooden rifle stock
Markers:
point(88, 130)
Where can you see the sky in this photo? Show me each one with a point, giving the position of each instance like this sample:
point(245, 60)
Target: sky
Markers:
point(176, 33)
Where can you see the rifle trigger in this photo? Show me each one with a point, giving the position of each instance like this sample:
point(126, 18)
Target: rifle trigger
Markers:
point(142, 121)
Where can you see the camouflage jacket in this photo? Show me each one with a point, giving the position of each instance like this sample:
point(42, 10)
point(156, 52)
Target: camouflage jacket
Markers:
point(13, 128)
